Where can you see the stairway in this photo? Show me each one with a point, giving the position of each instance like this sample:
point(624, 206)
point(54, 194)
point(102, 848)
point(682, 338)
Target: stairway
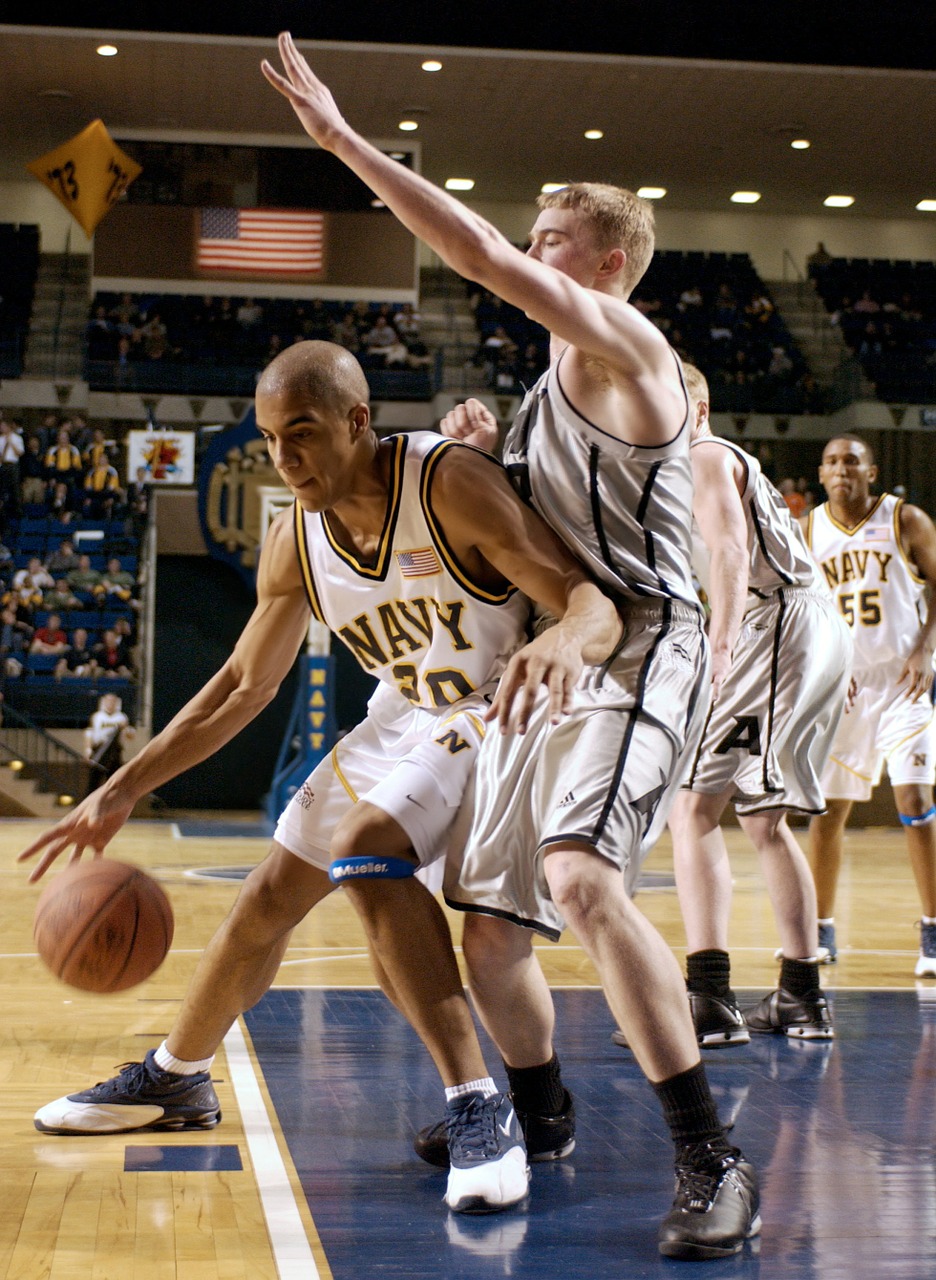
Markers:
point(55, 343)
point(448, 323)
point(820, 341)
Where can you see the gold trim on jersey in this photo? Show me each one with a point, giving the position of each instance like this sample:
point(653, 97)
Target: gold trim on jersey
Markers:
point(340, 776)
point(476, 589)
point(377, 571)
point(911, 567)
point(305, 566)
point(842, 528)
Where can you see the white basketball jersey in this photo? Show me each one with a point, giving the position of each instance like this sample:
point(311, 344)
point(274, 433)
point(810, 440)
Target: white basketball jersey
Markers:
point(623, 509)
point(778, 554)
point(876, 587)
point(413, 617)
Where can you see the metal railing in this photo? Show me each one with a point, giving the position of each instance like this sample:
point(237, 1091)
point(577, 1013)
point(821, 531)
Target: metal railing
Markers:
point(27, 749)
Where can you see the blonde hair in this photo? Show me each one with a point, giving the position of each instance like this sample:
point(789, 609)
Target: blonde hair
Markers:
point(696, 384)
point(620, 220)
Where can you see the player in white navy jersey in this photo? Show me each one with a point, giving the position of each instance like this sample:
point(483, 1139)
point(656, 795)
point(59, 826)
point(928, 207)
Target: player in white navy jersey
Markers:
point(409, 549)
point(562, 813)
point(781, 656)
point(877, 554)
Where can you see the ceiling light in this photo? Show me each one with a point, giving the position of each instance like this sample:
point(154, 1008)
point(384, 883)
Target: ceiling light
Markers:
point(594, 134)
point(107, 50)
point(651, 193)
point(459, 184)
point(800, 144)
point(927, 206)
point(547, 187)
point(397, 155)
point(408, 126)
point(431, 65)
point(745, 197)
point(377, 204)
point(838, 202)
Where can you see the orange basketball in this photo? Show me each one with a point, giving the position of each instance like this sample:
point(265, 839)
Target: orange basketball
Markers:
point(103, 925)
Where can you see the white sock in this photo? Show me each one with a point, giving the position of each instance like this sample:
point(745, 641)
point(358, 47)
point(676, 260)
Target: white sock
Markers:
point(929, 920)
point(178, 1066)
point(827, 920)
point(485, 1086)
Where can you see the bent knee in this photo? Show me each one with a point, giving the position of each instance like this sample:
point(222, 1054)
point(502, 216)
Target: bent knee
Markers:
point(490, 945)
point(281, 890)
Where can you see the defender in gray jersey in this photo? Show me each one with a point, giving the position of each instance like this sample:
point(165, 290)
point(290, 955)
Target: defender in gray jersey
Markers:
point(781, 657)
point(612, 408)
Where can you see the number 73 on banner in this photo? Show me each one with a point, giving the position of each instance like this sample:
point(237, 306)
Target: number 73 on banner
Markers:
point(89, 174)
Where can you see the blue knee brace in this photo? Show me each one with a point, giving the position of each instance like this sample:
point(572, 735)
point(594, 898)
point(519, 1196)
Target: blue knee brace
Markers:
point(919, 821)
point(371, 868)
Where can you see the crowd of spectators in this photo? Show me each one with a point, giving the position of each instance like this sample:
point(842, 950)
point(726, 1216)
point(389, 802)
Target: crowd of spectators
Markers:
point(886, 312)
point(128, 330)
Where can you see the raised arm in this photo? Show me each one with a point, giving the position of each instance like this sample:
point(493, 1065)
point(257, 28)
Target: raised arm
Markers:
point(719, 514)
point(233, 697)
point(490, 529)
point(602, 326)
point(918, 538)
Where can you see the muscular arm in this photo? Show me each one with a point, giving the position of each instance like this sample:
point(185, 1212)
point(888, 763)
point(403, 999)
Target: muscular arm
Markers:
point(918, 538)
point(717, 480)
point(500, 540)
point(233, 697)
point(600, 327)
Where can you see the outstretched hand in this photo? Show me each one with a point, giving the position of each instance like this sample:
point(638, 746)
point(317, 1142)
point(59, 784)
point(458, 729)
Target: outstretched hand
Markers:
point(311, 100)
point(471, 422)
point(90, 825)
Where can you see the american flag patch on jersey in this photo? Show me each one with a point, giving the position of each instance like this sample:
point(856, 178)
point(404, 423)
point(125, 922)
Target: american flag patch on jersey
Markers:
point(418, 564)
point(878, 533)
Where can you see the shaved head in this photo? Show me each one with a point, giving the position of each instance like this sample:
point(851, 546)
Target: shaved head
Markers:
point(325, 372)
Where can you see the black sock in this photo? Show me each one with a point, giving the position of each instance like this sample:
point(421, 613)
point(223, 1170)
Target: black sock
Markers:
point(799, 976)
point(538, 1090)
point(689, 1108)
point(709, 971)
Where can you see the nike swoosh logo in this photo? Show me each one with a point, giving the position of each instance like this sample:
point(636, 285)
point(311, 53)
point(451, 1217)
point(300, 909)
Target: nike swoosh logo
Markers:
point(505, 1128)
point(416, 802)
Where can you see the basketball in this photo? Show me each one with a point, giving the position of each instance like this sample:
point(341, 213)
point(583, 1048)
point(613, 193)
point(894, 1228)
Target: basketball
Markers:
point(103, 925)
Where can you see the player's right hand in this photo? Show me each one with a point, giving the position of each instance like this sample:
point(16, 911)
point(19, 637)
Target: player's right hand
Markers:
point(90, 825)
point(471, 422)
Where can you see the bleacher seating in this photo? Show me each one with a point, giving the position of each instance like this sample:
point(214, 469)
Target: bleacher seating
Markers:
point(886, 311)
point(19, 265)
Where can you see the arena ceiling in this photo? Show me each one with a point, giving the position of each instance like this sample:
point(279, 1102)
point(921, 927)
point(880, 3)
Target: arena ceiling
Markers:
point(512, 118)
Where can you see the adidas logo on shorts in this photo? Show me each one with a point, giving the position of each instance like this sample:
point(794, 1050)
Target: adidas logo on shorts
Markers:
point(568, 798)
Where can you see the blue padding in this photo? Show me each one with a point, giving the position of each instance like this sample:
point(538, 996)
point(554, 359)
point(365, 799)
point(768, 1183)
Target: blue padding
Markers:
point(920, 820)
point(370, 868)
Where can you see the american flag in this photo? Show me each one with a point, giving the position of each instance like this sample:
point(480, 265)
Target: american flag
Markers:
point(282, 241)
point(418, 564)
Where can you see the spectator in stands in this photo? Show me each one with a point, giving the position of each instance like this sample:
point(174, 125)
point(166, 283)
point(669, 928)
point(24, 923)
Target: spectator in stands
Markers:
point(63, 560)
point(155, 338)
point(50, 639)
point(346, 334)
point(108, 731)
point(406, 321)
point(33, 484)
point(792, 496)
point(25, 599)
point(63, 462)
point(110, 658)
point(690, 298)
point(315, 323)
point(759, 310)
point(35, 574)
point(7, 565)
point(60, 504)
point(117, 583)
point(15, 635)
point(98, 450)
point(138, 502)
point(47, 431)
point(125, 315)
point(249, 314)
point(11, 451)
point(866, 305)
point(820, 257)
point(780, 366)
point(80, 432)
point(78, 660)
point(101, 492)
point(86, 581)
point(60, 597)
point(101, 336)
point(126, 640)
point(379, 338)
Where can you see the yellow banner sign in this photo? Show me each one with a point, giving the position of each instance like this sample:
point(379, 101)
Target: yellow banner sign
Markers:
point(89, 173)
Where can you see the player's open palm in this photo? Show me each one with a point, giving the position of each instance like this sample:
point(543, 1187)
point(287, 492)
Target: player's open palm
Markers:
point(312, 101)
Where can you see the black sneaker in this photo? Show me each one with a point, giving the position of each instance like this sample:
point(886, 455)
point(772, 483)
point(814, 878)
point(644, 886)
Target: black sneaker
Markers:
point(804, 1017)
point(718, 1021)
point(141, 1096)
point(716, 1206)
point(547, 1137)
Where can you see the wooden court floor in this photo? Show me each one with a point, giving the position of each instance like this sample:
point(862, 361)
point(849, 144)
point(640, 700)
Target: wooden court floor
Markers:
point(71, 1208)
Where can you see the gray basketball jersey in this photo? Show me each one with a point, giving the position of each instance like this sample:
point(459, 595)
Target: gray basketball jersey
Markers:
point(779, 556)
point(623, 509)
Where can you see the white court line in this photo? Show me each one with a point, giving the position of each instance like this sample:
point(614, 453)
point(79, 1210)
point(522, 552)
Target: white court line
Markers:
point(291, 1249)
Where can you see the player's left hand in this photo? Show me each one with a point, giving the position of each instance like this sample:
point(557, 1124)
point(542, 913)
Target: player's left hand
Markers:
point(311, 100)
point(917, 674)
point(551, 660)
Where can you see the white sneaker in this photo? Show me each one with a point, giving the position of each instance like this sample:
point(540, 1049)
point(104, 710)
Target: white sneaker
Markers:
point(926, 964)
point(487, 1157)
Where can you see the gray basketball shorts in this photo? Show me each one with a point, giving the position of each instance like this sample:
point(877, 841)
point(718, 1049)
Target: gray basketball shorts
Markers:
point(770, 731)
point(604, 776)
point(414, 767)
